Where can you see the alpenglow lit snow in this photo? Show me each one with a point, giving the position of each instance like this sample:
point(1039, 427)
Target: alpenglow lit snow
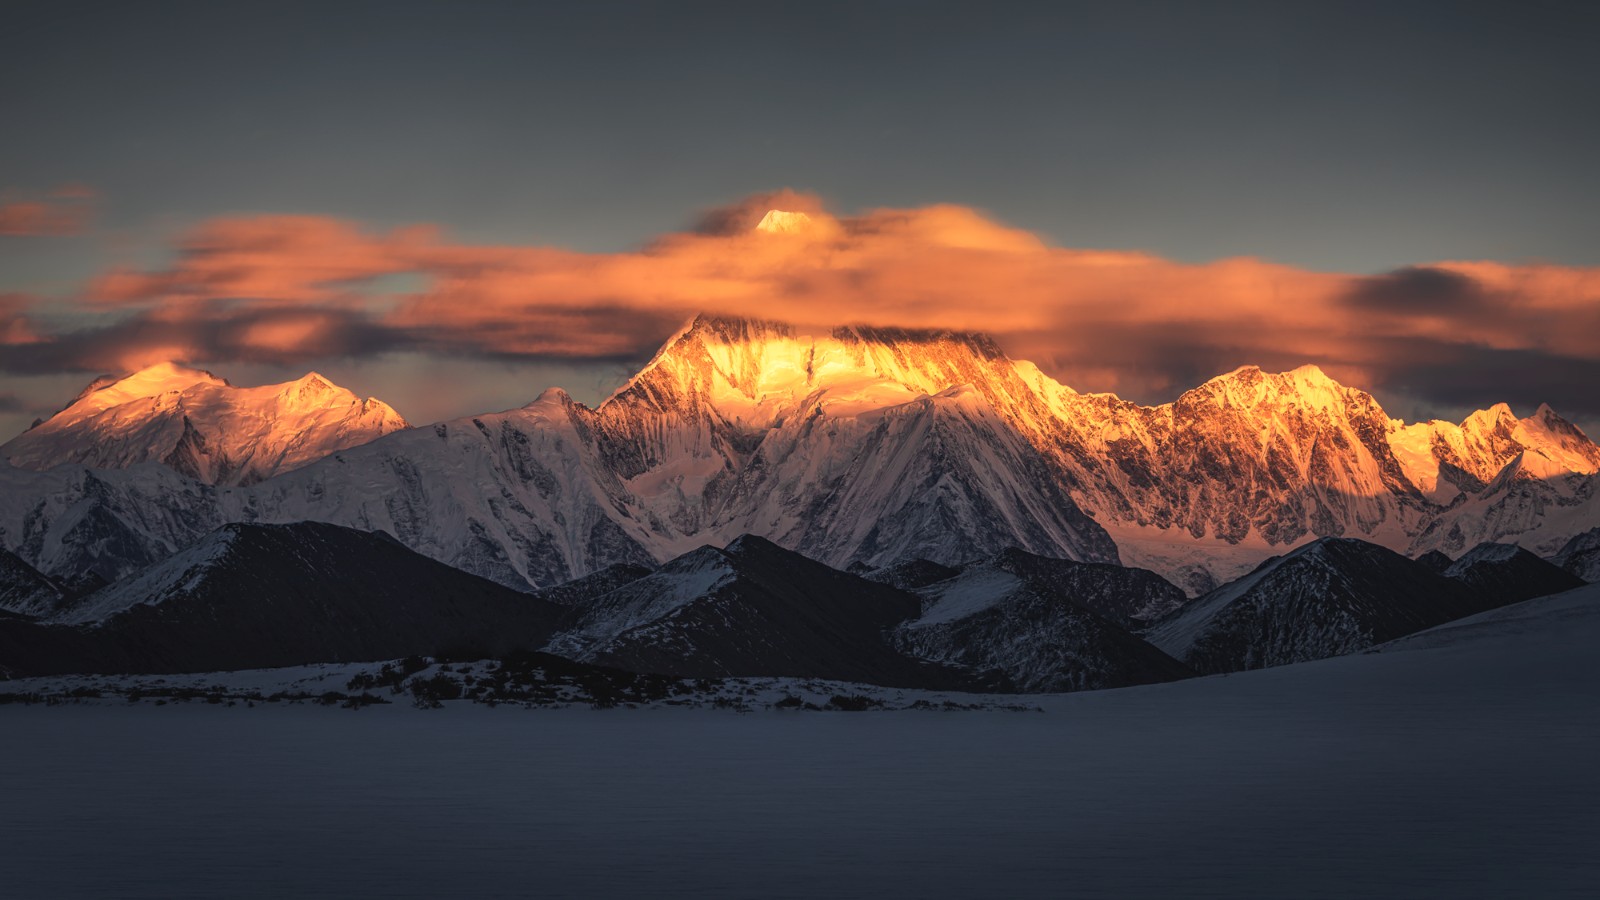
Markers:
point(778, 221)
point(203, 426)
point(855, 445)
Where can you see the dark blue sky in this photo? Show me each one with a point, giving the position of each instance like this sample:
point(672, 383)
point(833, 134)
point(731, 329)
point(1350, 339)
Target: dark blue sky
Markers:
point(1351, 137)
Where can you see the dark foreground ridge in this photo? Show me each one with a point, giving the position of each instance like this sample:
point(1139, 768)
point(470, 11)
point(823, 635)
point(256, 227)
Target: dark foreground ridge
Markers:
point(262, 596)
point(255, 596)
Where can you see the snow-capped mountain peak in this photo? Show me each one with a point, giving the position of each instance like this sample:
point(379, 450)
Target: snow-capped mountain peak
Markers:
point(850, 445)
point(311, 389)
point(151, 381)
point(753, 372)
point(1491, 445)
point(203, 426)
point(778, 221)
point(1250, 388)
point(1558, 440)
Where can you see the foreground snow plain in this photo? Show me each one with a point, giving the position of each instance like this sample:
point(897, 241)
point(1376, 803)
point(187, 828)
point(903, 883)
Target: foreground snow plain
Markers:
point(1457, 763)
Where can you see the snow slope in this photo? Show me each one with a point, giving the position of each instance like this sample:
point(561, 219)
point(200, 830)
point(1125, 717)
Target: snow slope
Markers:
point(1456, 764)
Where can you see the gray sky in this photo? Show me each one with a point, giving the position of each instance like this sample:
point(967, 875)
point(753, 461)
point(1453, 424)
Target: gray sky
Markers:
point(1351, 138)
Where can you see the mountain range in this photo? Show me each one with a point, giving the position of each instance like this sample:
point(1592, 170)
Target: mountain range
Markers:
point(860, 447)
point(202, 426)
point(254, 596)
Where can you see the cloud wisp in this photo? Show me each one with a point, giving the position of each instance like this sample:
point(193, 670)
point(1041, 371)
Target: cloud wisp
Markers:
point(65, 211)
point(294, 289)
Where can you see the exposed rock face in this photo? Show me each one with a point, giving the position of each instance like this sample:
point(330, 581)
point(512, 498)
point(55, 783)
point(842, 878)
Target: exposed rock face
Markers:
point(202, 426)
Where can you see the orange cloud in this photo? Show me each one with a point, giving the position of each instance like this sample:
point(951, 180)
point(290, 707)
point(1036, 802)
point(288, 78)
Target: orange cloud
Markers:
point(65, 211)
point(299, 287)
point(15, 329)
point(272, 260)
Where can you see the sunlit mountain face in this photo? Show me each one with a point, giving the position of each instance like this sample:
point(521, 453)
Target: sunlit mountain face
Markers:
point(202, 426)
point(855, 446)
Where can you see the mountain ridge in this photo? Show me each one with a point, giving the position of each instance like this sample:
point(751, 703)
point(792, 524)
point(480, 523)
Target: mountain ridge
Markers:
point(258, 596)
point(203, 426)
point(1330, 597)
point(874, 446)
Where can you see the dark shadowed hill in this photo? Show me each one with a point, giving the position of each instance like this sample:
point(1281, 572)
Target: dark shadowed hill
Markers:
point(1330, 597)
point(583, 590)
point(1435, 561)
point(1581, 555)
point(253, 596)
point(751, 608)
point(1044, 624)
point(912, 574)
point(1505, 573)
point(26, 590)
